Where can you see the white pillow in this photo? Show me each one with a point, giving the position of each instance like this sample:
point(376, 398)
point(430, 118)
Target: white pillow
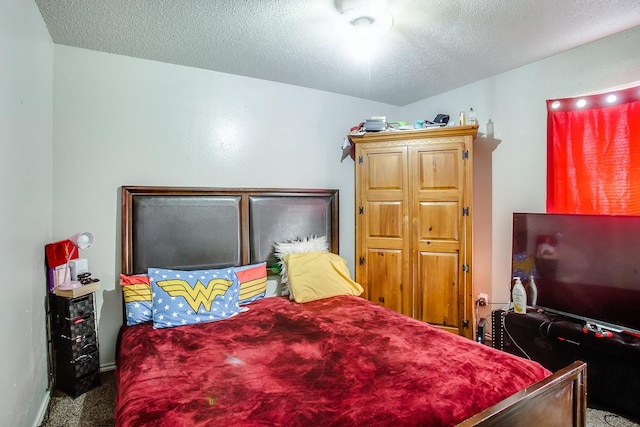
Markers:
point(296, 246)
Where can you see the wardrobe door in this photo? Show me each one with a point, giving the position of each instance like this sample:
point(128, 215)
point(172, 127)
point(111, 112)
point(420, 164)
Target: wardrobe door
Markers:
point(437, 235)
point(382, 226)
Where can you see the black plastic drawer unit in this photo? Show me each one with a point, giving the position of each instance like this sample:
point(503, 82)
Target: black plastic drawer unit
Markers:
point(75, 344)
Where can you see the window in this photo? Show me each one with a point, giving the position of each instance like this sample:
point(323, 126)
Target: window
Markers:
point(593, 154)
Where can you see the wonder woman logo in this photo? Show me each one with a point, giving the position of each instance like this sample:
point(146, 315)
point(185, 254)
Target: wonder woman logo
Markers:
point(199, 294)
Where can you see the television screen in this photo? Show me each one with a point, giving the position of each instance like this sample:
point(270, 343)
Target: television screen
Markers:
point(584, 266)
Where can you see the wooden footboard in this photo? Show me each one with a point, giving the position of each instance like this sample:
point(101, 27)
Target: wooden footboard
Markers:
point(558, 400)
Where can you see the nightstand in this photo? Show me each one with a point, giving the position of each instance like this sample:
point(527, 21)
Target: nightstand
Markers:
point(74, 338)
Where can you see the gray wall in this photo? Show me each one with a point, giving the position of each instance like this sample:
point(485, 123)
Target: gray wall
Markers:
point(26, 101)
point(125, 121)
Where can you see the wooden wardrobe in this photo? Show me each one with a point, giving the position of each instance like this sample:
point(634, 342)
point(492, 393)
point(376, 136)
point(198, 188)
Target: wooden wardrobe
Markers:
point(414, 223)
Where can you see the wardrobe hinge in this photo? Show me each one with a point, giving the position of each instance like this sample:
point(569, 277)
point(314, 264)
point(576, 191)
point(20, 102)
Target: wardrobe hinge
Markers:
point(361, 260)
point(361, 210)
point(465, 211)
point(360, 160)
point(465, 268)
point(465, 154)
point(465, 324)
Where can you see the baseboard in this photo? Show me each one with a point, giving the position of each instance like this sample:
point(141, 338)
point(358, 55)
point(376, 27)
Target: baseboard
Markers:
point(43, 409)
point(108, 367)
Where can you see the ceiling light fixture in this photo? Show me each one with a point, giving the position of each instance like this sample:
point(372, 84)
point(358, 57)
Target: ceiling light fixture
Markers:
point(368, 20)
point(361, 27)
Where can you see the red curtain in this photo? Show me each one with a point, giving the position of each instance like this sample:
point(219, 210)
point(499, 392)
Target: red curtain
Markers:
point(593, 154)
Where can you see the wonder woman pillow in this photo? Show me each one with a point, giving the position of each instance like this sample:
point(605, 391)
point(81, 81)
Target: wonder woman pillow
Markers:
point(136, 292)
point(253, 282)
point(191, 297)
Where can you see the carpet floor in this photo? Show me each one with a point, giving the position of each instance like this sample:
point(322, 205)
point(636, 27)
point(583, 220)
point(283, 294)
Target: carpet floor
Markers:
point(96, 408)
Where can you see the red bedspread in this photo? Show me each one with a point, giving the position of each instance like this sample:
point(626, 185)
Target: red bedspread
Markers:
point(338, 361)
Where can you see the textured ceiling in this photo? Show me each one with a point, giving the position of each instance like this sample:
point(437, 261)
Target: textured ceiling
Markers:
point(434, 45)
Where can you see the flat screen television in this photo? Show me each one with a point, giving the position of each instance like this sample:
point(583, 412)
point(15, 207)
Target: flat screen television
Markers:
point(585, 267)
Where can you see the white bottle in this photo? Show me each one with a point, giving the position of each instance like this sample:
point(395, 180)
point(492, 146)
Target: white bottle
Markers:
point(472, 117)
point(532, 293)
point(519, 297)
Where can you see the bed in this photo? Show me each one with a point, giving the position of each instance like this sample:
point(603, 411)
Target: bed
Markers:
point(335, 359)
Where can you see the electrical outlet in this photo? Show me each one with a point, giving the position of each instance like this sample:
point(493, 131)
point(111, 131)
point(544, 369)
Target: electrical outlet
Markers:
point(483, 299)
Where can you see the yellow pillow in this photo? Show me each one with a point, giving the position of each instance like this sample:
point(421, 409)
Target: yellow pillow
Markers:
point(317, 275)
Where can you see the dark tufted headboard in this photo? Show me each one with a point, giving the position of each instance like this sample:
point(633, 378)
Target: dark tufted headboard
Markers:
point(197, 228)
